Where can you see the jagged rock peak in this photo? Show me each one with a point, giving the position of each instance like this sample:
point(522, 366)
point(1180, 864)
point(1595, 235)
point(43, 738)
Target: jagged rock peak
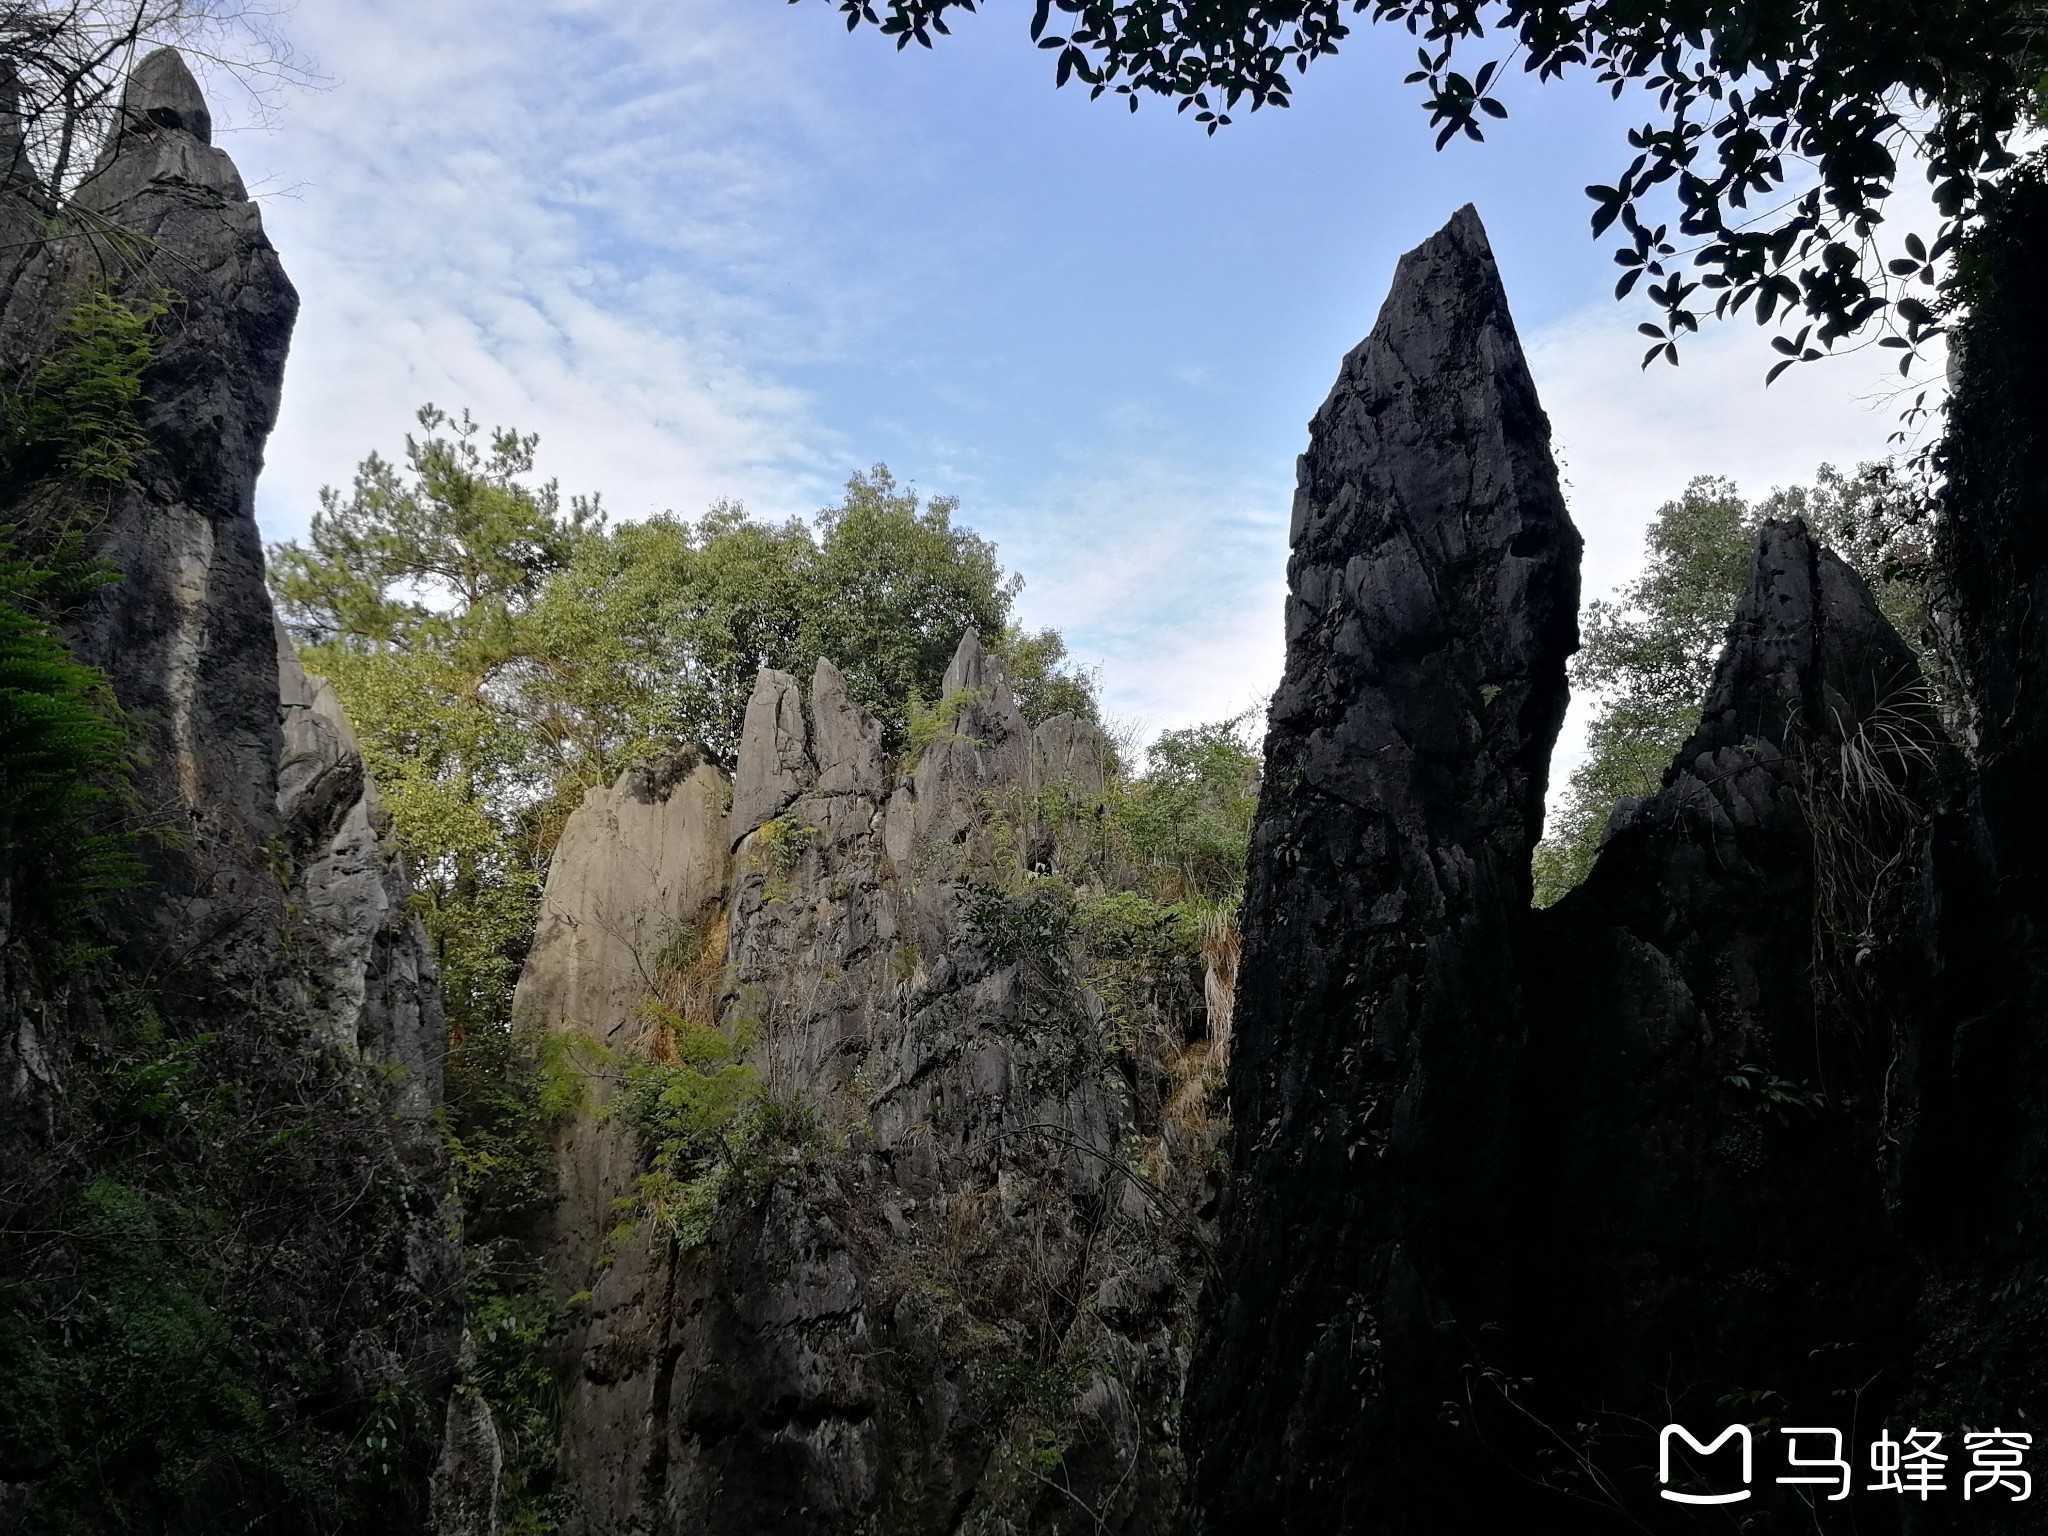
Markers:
point(1808, 649)
point(1428, 465)
point(775, 753)
point(847, 740)
point(989, 713)
point(161, 93)
point(966, 668)
point(1433, 596)
point(1809, 662)
point(163, 138)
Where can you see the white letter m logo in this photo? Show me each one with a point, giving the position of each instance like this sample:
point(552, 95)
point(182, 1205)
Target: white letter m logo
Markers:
point(1733, 1431)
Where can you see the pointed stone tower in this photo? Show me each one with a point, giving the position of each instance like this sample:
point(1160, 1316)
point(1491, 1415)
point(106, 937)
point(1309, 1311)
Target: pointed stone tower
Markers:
point(1433, 601)
point(270, 944)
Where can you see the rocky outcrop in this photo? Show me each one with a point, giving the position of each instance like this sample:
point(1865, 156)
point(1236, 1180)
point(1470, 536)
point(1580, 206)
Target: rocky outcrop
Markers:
point(1433, 601)
point(187, 632)
point(940, 1298)
point(362, 959)
point(1715, 1091)
point(469, 1475)
point(1744, 1129)
point(635, 900)
point(267, 966)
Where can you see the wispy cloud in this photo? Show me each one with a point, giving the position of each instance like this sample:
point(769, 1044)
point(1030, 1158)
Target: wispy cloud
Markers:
point(564, 218)
point(1172, 578)
point(714, 250)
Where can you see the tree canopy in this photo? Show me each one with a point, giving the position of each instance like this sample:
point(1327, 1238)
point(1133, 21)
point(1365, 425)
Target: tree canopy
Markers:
point(1759, 179)
point(501, 649)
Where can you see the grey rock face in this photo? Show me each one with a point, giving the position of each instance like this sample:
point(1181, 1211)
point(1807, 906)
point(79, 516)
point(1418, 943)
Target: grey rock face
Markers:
point(848, 744)
point(272, 927)
point(187, 632)
point(367, 972)
point(635, 863)
point(1434, 592)
point(775, 753)
point(470, 1471)
point(640, 873)
point(162, 95)
point(950, 1276)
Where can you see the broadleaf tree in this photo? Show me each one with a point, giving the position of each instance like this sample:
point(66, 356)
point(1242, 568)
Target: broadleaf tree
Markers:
point(500, 650)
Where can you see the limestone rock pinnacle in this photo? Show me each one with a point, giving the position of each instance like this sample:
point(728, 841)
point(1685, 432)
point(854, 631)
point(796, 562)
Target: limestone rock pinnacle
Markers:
point(1433, 602)
point(161, 93)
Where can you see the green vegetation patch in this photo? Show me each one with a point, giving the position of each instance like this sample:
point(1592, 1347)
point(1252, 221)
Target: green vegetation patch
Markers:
point(185, 1286)
point(705, 1122)
point(70, 435)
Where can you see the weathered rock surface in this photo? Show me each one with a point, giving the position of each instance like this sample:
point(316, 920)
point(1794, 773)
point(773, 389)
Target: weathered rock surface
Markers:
point(187, 632)
point(270, 941)
point(944, 1306)
point(1434, 599)
point(469, 1475)
point(361, 956)
point(1711, 1101)
point(635, 896)
point(1746, 1128)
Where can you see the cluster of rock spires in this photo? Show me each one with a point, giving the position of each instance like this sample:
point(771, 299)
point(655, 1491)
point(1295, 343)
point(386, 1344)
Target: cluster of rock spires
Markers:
point(954, 1306)
point(1748, 1127)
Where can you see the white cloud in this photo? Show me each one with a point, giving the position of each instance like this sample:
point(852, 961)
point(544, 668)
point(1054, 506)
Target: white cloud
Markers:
point(1632, 438)
point(1172, 579)
point(566, 217)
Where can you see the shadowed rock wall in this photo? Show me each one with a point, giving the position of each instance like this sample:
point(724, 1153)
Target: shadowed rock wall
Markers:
point(187, 631)
point(1744, 1129)
point(270, 941)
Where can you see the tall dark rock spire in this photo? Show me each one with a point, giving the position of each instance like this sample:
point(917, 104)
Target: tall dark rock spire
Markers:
point(1434, 595)
point(1745, 1129)
point(186, 633)
point(271, 943)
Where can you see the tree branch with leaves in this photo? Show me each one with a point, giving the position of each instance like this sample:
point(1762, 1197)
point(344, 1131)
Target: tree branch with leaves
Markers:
point(1759, 181)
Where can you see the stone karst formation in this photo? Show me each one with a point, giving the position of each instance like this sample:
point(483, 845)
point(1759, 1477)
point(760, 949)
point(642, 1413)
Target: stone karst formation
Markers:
point(1750, 1126)
point(959, 1309)
point(1747, 1127)
point(272, 920)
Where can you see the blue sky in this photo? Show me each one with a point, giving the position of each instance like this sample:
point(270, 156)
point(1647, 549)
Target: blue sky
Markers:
point(721, 248)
